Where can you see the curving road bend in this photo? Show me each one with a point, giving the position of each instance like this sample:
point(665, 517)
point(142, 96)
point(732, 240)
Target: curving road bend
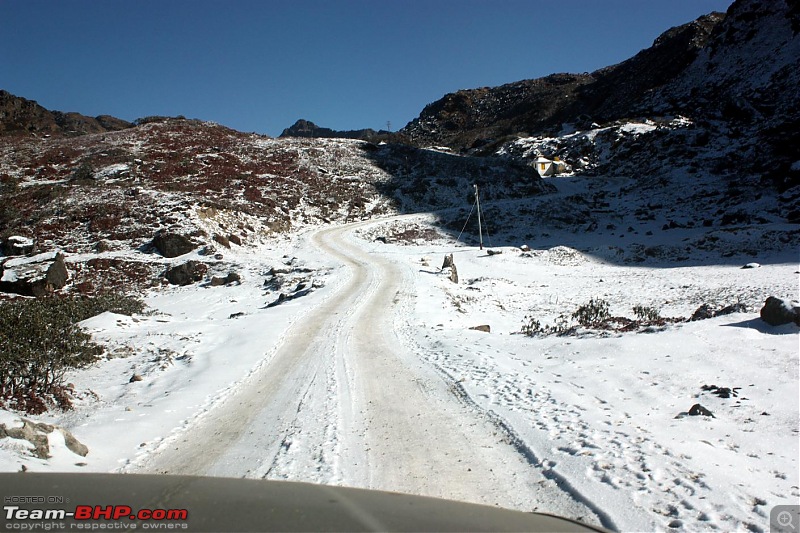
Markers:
point(342, 401)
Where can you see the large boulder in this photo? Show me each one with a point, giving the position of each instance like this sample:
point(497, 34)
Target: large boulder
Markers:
point(35, 276)
point(57, 275)
point(223, 240)
point(186, 273)
point(171, 244)
point(777, 312)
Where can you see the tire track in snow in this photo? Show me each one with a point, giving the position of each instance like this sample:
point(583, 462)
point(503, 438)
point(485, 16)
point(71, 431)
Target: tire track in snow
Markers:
point(249, 432)
point(343, 401)
point(419, 438)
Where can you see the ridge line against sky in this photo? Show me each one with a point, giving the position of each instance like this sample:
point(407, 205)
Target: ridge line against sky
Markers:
point(259, 66)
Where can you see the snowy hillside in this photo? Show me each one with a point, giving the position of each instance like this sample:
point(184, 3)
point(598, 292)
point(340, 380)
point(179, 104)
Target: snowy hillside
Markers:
point(590, 423)
point(616, 343)
point(101, 198)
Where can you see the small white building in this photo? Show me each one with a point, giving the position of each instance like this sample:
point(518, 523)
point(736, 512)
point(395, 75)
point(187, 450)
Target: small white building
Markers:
point(550, 167)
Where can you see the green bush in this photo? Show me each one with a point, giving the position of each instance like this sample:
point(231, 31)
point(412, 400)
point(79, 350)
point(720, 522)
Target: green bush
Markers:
point(533, 328)
point(646, 314)
point(593, 313)
point(40, 341)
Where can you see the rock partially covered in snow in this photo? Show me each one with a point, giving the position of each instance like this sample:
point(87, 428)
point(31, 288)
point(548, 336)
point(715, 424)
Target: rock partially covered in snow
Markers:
point(36, 433)
point(449, 263)
point(699, 410)
point(777, 312)
point(186, 273)
point(17, 245)
point(35, 276)
point(703, 312)
point(232, 277)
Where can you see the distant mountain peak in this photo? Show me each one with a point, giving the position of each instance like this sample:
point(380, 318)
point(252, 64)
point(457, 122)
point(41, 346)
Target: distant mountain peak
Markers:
point(306, 128)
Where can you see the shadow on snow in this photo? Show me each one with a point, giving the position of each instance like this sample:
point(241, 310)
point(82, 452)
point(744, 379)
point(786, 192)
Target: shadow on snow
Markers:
point(617, 220)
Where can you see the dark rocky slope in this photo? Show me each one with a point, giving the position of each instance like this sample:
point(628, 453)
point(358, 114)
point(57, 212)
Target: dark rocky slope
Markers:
point(470, 118)
point(19, 116)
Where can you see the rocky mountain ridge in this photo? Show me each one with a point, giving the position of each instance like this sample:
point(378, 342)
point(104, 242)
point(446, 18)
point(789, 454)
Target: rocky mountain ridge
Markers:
point(732, 76)
point(20, 116)
point(306, 128)
point(472, 118)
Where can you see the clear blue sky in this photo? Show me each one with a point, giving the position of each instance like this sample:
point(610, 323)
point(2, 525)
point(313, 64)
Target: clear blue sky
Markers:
point(259, 65)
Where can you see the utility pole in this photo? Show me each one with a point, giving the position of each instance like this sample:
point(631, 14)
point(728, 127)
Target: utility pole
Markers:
point(478, 202)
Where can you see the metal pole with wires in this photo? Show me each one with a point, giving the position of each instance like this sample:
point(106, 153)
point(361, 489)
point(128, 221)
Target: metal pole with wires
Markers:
point(478, 204)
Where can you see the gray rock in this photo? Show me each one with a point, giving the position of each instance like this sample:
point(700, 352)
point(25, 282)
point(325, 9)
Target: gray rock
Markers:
point(702, 313)
point(73, 444)
point(483, 327)
point(223, 240)
point(232, 277)
point(730, 309)
point(36, 278)
point(278, 301)
point(57, 274)
point(282, 297)
point(450, 263)
point(36, 434)
point(699, 410)
point(777, 312)
point(171, 244)
point(17, 245)
point(186, 273)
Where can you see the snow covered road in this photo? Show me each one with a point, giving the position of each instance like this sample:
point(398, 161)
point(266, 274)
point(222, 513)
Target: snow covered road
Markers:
point(343, 401)
point(375, 379)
